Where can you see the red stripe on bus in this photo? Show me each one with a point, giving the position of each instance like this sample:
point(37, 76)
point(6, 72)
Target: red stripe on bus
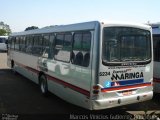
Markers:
point(19, 64)
point(33, 70)
point(125, 87)
point(157, 80)
point(29, 68)
point(73, 87)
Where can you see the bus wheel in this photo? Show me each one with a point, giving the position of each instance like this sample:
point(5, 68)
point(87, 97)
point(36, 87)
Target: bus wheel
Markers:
point(43, 85)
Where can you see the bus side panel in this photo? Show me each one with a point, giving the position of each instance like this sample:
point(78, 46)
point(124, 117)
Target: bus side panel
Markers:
point(26, 65)
point(156, 78)
point(68, 81)
point(3, 47)
point(68, 94)
point(156, 48)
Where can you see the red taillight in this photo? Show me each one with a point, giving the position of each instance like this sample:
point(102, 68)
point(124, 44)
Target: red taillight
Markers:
point(96, 89)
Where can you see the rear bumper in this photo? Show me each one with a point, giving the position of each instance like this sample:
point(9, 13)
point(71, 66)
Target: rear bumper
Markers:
point(119, 101)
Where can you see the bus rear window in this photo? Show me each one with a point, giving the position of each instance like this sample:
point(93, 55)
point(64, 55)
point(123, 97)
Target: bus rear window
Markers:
point(121, 44)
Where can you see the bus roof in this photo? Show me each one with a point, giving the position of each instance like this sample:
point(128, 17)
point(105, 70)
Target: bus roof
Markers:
point(3, 36)
point(60, 28)
point(127, 24)
point(77, 26)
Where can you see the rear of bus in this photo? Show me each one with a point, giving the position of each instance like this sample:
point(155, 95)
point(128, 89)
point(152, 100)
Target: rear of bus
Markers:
point(125, 72)
point(3, 43)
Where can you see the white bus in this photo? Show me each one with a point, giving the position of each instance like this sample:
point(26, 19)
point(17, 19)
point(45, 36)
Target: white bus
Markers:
point(94, 65)
point(3, 43)
point(156, 49)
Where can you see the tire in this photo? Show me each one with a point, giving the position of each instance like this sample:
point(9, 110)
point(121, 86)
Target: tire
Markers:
point(13, 69)
point(43, 85)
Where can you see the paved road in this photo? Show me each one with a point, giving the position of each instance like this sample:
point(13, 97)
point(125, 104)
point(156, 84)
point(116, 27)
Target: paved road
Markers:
point(21, 99)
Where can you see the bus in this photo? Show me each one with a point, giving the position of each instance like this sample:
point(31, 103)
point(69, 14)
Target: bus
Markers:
point(3, 43)
point(156, 49)
point(95, 65)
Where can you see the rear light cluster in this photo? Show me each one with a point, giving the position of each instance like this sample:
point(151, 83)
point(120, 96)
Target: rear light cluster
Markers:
point(96, 89)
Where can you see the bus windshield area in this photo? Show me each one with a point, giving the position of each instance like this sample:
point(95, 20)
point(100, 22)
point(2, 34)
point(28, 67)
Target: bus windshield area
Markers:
point(121, 44)
point(2, 40)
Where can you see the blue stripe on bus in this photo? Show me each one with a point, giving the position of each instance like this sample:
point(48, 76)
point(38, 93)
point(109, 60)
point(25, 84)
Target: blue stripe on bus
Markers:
point(128, 82)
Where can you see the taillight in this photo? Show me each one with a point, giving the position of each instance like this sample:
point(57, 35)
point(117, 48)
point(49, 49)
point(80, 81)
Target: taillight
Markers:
point(96, 89)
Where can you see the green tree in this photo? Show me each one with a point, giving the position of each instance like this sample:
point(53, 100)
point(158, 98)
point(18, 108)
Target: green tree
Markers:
point(31, 28)
point(4, 29)
point(3, 32)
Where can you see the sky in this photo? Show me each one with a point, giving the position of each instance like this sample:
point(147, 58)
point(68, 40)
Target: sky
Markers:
point(20, 14)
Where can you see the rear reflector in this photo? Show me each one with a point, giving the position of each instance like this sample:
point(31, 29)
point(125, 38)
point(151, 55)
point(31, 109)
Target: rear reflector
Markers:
point(96, 87)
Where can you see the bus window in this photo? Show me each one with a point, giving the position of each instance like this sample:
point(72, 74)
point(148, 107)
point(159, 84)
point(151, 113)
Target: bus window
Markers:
point(77, 43)
point(29, 44)
point(86, 45)
point(63, 47)
point(17, 43)
point(37, 46)
point(12, 42)
point(52, 45)
point(45, 49)
point(123, 44)
point(58, 46)
point(67, 47)
point(22, 43)
point(9, 43)
point(81, 49)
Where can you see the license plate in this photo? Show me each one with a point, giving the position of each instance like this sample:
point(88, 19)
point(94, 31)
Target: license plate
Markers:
point(125, 93)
